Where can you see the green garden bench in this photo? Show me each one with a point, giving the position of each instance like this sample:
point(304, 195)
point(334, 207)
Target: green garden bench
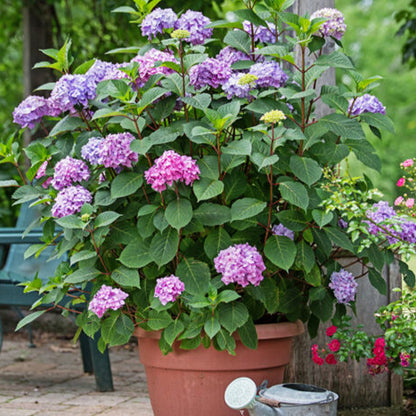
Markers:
point(16, 270)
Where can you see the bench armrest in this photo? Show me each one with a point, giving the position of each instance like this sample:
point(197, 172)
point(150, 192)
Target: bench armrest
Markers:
point(15, 236)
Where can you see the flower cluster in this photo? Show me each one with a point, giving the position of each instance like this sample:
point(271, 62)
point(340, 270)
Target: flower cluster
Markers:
point(69, 170)
point(405, 203)
point(261, 33)
point(169, 168)
point(107, 298)
point(31, 110)
point(334, 25)
point(366, 104)
point(344, 286)
point(378, 363)
point(212, 72)
point(70, 201)
point(280, 229)
point(103, 71)
point(240, 263)
point(157, 21)
point(231, 55)
point(168, 289)
point(194, 23)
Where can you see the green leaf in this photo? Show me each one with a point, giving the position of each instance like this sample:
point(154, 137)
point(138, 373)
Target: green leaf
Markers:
point(82, 255)
point(71, 221)
point(106, 218)
point(238, 147)
point(307, 170)
point(126, 277)
point(163, 246)
point(342, 126)
point(117, 329)
point(29, 319)
point(365, 153)
point(159, 320)
point(305, 256)
point(378, 120)
point(126, 184)
point(212, 214)
point(200, 101)
point(321, 217)
point(323, 308)
point(224, 341)
point(248, 14)
point(339, 238)
point(336, 60)
point(248, 334)
point(216, 241)
point(314, 276)
point(195, 275)
point(173, 331)
point(377, 281)
point(212, 326)
point(208, 166)
point(178, 213)
point(82, 275)
point(141, 146)
point(294, 220)
point(232, 315)
point(150, 96)
point(246, 208)
point(281, 251)
point(238, 40)
point(173, 83)
point(207, 188)
point(227, 296)
point(136, 254)
point(67, 124)
point(294, 193)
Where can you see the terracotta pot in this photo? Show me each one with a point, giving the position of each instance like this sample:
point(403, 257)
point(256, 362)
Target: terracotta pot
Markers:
point(187, 383)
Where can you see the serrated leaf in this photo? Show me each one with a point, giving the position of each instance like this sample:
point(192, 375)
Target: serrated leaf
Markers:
point(314, 276)
point(195, 275)
point(248, 334)
point(307, 170)
point(238, 147)
point(68, 123)
point(246, 208)
point(212, 326)
point(281, 251)
point(29, 319)
point(71, 221)
point(238, 40)
point(159, 320)
point(305, 256)
point(82, 255)
point(294, 220)
point(322, 218)
point(82, 275)
point(339, 238)
point(342, 126)
point(216, 241)
point(126, 184)
point(207, 188)
point(295, 193)
point(106, 218)
point(178, 213)
point(232, 315)
point(163, 246)
point(136, 254)
point(117, 329)
point(377, 281)
point(379, 121)
point(173, 331)
point(336, 60)
point(212, 214)
point(126, 277)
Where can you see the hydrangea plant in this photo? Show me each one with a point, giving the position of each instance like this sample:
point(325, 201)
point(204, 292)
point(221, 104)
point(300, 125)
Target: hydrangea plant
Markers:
point(186, 185)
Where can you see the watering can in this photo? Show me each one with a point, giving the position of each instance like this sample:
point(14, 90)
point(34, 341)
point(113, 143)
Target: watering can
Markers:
point(292, 399)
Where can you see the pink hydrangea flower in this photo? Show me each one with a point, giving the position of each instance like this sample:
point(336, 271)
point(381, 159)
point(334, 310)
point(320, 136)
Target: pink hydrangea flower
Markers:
point(168, 289)
point(407, 163)
point(401, 182)
point(68, 171)
point(398, 201)
point(169, 168)
point(107, 298)
point(410, 202)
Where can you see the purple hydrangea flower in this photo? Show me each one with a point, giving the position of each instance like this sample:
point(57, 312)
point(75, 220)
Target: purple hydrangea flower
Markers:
point(230, 55)
point(379, 213)
point(334, 26)
point(70, 201)
point(115, 151)
point(212, 72)
point(280, 229)
point(367, 104)
point(269, 74)
point(261, 33)
point(168, 289)
point(158, 20)
point(171, 167)
point(233, 89)
point(107, 298)
point(102, 71)
point(408, 232)
point(240, 263)
point(342, 223)
point(68, 171)
point(344, 286)
point(31, 110)
point(91, 152)
point(147, 66)
point(194, 23)
point(72, 90)
point(41, 173)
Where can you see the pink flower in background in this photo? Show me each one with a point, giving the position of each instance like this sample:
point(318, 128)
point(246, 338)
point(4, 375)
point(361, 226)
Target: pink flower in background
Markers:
point(315, 357)
point(398, 201)
point(407, 163)
point(334, 345)
point(401, 182)
point(331, 330)
point(107, 298)
point(330, 359)
point(168, 289)
point(410, 202)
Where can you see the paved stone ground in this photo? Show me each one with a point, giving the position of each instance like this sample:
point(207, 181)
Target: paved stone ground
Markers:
point(48, 381)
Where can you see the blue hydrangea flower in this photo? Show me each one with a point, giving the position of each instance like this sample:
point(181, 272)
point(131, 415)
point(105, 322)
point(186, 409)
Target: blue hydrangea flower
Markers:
point(344, 286)
point(269, 74)
point(158, 20)
point(31, 110)
point(70, 201)
point(91, 152)
point(280, 229)
point(230, 55)
point(367, 104)
point(212, 72)
point(233, 89)
point(334, 25)
point(194, 23)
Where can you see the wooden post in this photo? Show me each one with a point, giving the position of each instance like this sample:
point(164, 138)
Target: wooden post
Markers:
point(351, 381)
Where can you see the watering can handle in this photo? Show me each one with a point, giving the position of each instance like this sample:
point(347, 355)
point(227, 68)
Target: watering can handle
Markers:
point(269, 402)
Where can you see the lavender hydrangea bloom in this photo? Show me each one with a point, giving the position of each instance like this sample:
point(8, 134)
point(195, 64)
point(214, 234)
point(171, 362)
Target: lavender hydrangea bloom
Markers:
point(233, 89)
point(269, 74)
point(147, 66)
point(102, 71)
point(194, 23)
point(171, 167)
point(379, 213)
point(280, 229)
point(72, 90)
point(212, 72)
point(334, 26)
point(70, 201)
point(107, 298)
point(240, 263)
point(230, 55)
point(91, 152)
point(344, 286)
point(168, 289)
point(68, 171)
point(158, 20)
point(115, 151)
point(408, 232)
point(261, 33)
point(31, 110)
point(367, 104)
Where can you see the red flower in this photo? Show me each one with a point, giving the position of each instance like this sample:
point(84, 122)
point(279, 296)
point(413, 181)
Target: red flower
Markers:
point(334, 345)
point(401, 182)
point(331, 330)
point(330, 359)
point(317, 360)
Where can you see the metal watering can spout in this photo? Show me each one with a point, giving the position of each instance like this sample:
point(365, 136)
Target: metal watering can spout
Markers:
point(242, 394)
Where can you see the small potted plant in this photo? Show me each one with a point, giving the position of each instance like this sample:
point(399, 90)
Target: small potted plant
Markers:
point(186, 187)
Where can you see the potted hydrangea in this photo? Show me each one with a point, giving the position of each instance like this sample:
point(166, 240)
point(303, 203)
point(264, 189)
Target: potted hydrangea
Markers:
point(189, 188)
